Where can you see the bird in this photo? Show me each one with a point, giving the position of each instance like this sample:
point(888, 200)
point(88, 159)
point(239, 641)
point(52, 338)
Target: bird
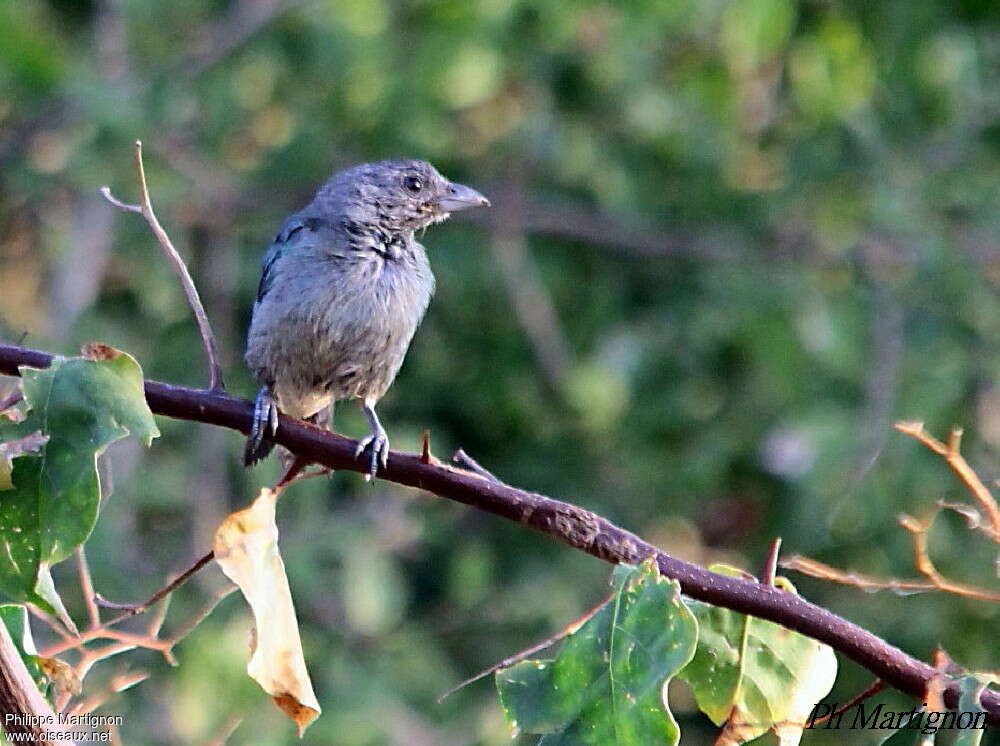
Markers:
point(343, 288)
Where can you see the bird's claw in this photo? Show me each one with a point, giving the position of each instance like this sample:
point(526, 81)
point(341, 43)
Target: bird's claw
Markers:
point(378, 442)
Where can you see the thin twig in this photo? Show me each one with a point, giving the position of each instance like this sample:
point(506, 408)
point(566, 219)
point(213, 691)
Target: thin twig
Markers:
point(119, 682)
point(518, 657)
point(874, 688)
point(529, 298)
point(133, 609)
point(953, 456)
point(925, 566)
point(816, 569)
point(227, 731)
point(14, 397)
point(54, 624)
point(87, 587)
point(125, 641)
point(145, 208)
point(921, 560)
point(467, 462)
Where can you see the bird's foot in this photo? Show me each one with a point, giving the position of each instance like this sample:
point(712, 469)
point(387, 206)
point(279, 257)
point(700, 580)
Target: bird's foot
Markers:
point(265, 418)
point(378, 442)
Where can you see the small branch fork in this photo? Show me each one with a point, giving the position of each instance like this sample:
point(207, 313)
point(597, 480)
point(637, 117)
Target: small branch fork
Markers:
point(565, 522)
point(953, 456)
point(919, 530)
point(121, 641)
point(145, 208)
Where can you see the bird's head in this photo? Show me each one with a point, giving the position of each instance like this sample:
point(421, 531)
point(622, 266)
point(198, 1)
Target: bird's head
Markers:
point(399, 196)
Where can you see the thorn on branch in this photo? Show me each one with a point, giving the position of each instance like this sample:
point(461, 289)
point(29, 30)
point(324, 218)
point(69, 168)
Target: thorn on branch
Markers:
point(145, 208)
point(467, 462)
point(771, 563)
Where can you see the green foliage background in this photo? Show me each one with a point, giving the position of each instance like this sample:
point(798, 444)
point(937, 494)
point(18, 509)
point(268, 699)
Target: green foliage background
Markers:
point(766, 230)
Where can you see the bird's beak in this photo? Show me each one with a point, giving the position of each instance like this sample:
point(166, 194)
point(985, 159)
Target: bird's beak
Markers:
point(461, 197)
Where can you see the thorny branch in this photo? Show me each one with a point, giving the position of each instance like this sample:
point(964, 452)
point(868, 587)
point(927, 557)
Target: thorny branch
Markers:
point(563, 521)
point(145, 208)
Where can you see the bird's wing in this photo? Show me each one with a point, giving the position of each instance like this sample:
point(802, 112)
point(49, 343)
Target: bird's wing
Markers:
point(286, 236)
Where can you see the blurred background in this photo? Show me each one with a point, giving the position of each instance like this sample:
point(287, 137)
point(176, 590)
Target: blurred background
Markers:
point(731, 243)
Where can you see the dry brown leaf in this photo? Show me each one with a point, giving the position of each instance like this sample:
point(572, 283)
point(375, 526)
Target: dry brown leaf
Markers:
point(100, 352)
point(62, 675)
point(246, 547)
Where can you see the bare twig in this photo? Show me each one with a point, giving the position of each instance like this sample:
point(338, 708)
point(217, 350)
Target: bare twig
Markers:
point(935, 581)
point(925, 566)
point(133, 609)
point(14, 397)
point(145, 208)
point(467, 462)
point(953, 456)
point(528, 296)
point(125, 641)
point(119, 683)
point(572, 525)
point(52, 622)
point(816, 569)
point(226, 731)
point(244, 19)
point(874, 688)
point(518, 657)
point(99, 629)
point(87, 587)
point(921, 560)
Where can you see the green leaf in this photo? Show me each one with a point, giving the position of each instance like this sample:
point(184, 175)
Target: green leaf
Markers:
point(11, 449)
point(608, 684)
point(971, 689)
point(15, 618)
point(771, 675)
point(81, 405)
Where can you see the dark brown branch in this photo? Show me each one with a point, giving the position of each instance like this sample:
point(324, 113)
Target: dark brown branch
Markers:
point(574, 526)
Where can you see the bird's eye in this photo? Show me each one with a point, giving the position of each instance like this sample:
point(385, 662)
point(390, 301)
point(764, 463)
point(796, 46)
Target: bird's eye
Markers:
point(413, 183)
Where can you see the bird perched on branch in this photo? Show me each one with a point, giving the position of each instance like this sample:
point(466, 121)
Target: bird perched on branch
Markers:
point(344, 287)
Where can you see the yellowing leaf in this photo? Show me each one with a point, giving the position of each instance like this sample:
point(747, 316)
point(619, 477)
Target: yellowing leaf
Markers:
point(62, 675)
point(246, 547)
point(752, 676)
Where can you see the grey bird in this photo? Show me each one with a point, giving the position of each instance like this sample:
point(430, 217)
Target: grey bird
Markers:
point(344, 286)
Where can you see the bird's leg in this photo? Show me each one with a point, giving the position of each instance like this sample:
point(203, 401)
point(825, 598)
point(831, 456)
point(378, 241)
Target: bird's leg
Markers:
point(265, 417)
point(378, 440)
point(295, 464)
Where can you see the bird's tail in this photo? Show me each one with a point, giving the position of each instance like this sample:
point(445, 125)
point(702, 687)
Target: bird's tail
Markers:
point(265, 419)
point(256, 450)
